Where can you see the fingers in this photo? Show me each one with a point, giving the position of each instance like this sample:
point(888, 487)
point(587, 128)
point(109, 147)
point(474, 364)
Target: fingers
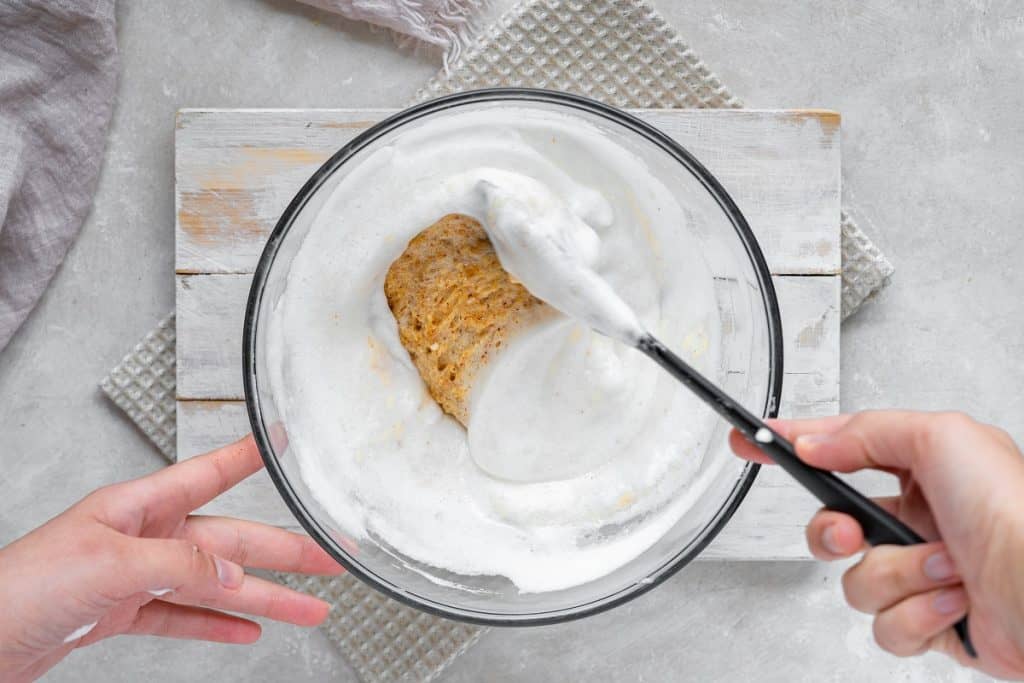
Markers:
point(948, 643)
point(1002, 437)
point(911, 626)
point(834, 535)
point(260, 598)
point(193, 623)
point(155, 565)
point(915, 592)
point(196, 481)
point(259, 545)
point(196, 577)
point(792, 429)
point(789, 429)
point(889, 574)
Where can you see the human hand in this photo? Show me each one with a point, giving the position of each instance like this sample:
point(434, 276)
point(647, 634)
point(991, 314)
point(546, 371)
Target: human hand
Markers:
point(129, 558)
point(962, 489)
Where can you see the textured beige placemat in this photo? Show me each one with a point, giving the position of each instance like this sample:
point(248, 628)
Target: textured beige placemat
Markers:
point(618, 51)
point(143, 386)
point(383, 639)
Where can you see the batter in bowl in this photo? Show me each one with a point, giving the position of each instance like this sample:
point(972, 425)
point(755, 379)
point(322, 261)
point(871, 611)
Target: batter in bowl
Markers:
point(606, 448)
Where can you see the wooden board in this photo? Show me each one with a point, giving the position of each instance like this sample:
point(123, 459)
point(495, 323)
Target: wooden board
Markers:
point(236, 170)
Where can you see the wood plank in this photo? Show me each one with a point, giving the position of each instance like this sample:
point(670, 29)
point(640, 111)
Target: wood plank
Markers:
point(236, 170)
point(810, 308)
point(211, 307)
point(210, 312)
point(781, 168)
point(206, 425)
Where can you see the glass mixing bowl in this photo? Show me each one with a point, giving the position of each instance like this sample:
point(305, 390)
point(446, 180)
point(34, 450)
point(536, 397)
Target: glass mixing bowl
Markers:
point(750, 369)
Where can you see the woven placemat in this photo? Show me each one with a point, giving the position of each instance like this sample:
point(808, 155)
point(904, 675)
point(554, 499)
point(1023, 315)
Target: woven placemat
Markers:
point(618, 51)
point(383, 640)
point(143, 386)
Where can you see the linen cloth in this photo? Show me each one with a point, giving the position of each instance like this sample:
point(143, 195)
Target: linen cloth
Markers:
point(445, 24)
point(58, 80)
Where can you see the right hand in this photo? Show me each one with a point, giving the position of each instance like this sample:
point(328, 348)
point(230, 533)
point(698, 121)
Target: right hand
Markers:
point(962, 489)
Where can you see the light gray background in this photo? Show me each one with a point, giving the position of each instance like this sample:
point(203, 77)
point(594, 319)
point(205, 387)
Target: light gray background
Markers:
point(931, 95)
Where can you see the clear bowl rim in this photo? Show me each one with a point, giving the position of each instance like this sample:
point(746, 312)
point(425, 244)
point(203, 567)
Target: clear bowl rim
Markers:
point(264, 267)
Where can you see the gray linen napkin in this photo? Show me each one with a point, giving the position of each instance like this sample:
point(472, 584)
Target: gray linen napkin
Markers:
point(445, 24)
point(58, 78)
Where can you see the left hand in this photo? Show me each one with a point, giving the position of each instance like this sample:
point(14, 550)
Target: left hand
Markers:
point(130, 559)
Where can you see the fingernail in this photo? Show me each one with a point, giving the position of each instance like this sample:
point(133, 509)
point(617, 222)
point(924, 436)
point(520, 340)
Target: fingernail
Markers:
point(939, 566)
point(229, 574)
point(829, 540)
point(950, 601)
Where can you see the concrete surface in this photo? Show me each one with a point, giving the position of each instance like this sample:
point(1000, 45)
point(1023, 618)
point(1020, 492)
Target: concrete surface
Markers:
point(931, 95)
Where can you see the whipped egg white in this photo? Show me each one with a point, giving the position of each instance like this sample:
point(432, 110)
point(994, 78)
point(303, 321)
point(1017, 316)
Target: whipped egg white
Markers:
point(590, 453)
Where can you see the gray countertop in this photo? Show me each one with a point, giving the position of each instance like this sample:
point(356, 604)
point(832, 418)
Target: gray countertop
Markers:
point(931, 96)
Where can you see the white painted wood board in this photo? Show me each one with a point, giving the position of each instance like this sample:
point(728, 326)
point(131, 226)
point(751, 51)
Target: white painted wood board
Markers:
point(236, 170)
